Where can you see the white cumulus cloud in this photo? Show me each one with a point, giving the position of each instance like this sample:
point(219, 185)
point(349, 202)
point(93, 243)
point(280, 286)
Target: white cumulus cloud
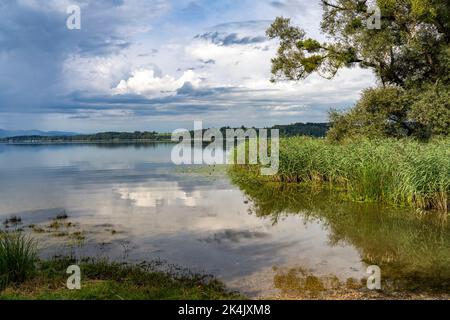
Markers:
point(146, 82)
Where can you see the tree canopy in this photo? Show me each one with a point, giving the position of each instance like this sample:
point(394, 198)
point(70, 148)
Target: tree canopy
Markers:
point(409, 54)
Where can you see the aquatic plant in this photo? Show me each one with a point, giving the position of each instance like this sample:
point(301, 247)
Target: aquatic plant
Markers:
point(403, 172)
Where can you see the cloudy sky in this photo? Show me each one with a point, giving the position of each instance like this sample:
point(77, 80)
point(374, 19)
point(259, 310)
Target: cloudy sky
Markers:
point(156, 65)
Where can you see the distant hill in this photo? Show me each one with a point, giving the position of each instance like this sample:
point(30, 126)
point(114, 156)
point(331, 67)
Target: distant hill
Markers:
point(17, 133)
point(297, 129)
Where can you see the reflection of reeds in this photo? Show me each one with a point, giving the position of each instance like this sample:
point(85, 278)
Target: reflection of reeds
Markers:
point(385, 170)
point(294, 281)
point(411, 248)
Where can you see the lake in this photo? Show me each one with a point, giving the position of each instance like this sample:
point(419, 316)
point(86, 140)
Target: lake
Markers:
point(128, 202)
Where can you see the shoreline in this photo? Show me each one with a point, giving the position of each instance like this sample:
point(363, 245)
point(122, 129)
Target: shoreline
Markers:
point(108, 280)
point(289, 285)
point(86, 142)
point(105, 280)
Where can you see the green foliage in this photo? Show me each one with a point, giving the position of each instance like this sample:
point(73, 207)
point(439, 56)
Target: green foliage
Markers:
point(17, 258)
point(431, 110)
point(303, 129)
point(411, 46)
point(394, 112)
point(410, 55)
point(403, 172)
point(380, 112)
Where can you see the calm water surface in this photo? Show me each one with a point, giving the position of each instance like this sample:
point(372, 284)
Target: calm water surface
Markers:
point(130, 203)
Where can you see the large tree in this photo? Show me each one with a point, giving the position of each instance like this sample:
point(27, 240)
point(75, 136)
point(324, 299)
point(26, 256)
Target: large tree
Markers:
point(410, 52)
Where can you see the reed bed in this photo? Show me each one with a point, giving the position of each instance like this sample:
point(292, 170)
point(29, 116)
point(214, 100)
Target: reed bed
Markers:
point(403, 172)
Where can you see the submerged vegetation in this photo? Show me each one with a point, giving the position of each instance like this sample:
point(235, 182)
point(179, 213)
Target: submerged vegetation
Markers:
point(401, 172)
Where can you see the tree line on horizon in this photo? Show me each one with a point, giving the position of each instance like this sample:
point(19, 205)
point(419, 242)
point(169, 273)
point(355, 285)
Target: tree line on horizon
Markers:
point(297, 129)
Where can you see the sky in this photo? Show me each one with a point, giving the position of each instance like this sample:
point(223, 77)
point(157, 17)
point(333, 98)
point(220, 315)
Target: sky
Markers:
point(157, 65)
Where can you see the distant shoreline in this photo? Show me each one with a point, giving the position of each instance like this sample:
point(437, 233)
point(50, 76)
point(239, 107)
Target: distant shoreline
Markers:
point(84, 142)
point(317, 130)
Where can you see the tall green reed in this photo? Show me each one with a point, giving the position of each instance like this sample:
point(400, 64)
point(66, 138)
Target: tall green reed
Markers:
point(384, 170)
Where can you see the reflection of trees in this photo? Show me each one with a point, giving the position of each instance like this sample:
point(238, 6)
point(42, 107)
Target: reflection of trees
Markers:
point(413, 250)
point(131, 145)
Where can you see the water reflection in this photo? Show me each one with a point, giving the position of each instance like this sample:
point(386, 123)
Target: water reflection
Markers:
point(162, 194)
point(129, 202)
point(412, 248)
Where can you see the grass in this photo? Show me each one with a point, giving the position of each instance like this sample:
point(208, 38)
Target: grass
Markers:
point(17, 258)
point(402, 172)
point(103, 280)
point(23, 276)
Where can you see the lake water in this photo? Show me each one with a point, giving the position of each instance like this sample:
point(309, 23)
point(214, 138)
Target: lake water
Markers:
point(129, 202)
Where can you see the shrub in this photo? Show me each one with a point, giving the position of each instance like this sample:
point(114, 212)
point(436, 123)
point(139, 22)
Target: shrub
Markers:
point(422, 113)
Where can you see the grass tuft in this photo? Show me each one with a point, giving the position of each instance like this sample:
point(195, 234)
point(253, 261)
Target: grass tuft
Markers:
point(17, 258)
